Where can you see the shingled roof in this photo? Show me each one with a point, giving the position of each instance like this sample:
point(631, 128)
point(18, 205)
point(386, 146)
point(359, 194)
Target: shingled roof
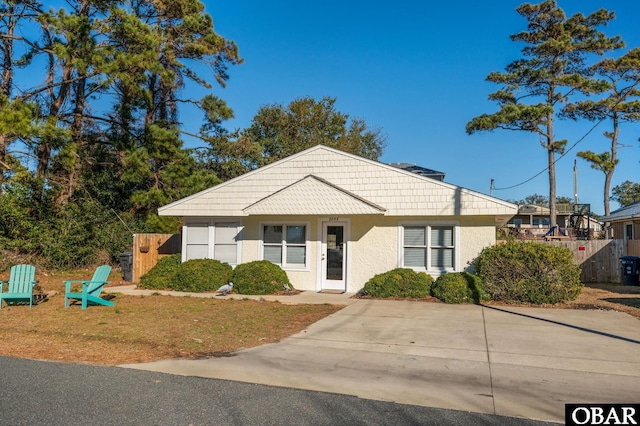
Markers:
point(632, 211)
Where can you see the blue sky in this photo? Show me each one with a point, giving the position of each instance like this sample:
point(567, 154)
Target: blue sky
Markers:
point(416, 70)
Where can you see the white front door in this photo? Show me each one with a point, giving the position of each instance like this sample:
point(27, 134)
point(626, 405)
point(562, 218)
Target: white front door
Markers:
point(333, 262)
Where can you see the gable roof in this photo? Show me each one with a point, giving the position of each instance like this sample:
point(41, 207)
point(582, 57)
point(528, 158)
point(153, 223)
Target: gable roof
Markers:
point(313, 196)
point(397, 192)
point(632, 211)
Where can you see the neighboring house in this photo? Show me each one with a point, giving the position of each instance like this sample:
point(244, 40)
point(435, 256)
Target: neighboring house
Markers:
point(530, 216)
point(625, 222)
point(573, 220)
point(333, 220)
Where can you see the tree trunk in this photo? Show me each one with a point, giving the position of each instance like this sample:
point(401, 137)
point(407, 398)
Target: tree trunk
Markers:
point(552, 169)
point(608, 177)
point(57, 100)
point(70, 181)
point(7, 83)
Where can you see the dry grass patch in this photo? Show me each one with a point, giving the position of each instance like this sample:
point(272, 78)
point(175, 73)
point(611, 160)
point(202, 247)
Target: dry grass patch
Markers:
point(143, 329)
point(609, 297)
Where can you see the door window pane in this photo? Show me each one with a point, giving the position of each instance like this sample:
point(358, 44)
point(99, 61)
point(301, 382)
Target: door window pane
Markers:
point(335, 253)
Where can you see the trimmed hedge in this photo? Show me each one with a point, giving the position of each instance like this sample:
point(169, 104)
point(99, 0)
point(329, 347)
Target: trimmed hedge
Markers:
point(201, 275)
point(529, 272)
point(399, 282)
point(259, 277)
point(459, 287)
point(160, 277)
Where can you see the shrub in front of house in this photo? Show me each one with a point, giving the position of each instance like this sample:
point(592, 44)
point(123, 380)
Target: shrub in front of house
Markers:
point(529, 272)
point(160, 277)
point(459, 287)
point(399, 282)
point(201, 275)
point(259, 277)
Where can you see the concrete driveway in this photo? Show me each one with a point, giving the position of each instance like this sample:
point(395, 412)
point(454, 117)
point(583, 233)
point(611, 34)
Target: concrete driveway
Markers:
point(522, 362)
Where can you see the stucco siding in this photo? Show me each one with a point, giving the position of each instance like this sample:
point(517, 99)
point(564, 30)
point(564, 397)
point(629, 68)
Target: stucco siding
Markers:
point(476, 234)
point(300, 279)
point(373, 244)
point(374, 249)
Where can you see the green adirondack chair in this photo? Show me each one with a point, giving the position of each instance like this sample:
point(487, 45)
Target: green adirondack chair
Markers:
point(91, 289)
point(19, 286)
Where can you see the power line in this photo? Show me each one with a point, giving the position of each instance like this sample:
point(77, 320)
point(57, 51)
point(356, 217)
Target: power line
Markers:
point(554, 162)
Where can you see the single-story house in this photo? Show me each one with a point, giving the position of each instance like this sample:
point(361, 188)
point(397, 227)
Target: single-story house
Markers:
point(625, 222)
point(333, 220)
point(574, 220)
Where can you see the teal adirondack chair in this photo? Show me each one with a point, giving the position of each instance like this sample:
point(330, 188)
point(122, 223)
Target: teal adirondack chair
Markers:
point(20, 285)
point(91, 289)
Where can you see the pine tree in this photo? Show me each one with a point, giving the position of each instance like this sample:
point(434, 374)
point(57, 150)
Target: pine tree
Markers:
point(619, 81)
point(553, 69)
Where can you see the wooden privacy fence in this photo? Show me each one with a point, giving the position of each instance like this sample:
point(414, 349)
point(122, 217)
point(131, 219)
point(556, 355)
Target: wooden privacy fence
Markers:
point(148, 248)
point(600, 259)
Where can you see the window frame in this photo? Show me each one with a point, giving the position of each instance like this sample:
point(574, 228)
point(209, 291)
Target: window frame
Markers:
point(429, 247)
point(190, 244)
point(211, 224)
point(628, 226)
point(284, 244)
point(214, 243)
point(541, 221)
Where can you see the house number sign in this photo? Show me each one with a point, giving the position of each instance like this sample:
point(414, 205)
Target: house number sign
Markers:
point(334, 219)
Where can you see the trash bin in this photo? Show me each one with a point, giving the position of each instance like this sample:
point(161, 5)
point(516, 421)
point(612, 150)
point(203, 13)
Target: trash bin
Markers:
point(630, 270)
point(126, 264)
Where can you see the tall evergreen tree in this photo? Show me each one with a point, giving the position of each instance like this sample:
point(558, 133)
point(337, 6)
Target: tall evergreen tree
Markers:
point(553, 68)
point(97, 122)
point(620, 84)
point(15, 54)
point(167, 37)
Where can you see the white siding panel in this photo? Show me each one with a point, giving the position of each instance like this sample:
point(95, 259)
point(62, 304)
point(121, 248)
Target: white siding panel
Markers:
point(384, 185)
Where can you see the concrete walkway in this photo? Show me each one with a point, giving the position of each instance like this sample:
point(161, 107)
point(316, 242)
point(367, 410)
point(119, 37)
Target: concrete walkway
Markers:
point(522, 362)
point(305, 297)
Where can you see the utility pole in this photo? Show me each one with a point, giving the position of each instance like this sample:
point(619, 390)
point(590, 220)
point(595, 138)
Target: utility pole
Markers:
point(575, 182)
